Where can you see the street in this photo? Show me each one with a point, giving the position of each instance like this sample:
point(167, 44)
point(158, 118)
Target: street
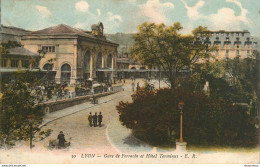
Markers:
point(106, 141)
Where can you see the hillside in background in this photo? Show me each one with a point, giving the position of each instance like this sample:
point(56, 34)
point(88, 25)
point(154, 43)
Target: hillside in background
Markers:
point(124, 40)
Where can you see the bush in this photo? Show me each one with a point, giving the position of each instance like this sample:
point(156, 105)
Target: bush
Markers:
point(154, 117)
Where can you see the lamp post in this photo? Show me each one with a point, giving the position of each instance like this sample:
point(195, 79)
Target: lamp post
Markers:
point(30, 118)
point(180, 105)
point(181, 145)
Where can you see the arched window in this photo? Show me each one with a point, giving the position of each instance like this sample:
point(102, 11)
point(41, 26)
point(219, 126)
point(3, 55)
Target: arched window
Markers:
point(99, 61)
point(109, 61)
point(65, 73)
point(48, 67)
point(133, 68)
point(86, 61)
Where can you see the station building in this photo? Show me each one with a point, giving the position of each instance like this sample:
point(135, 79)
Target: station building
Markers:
point(73, 54)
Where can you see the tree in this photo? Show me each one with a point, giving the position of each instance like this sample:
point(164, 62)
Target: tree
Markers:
point(154, 117)
point(158, 45)
point(17, 102)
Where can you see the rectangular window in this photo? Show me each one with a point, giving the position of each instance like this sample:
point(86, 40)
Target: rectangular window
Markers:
point(217, 38)
point(232, 34)
point(14, 63)
point(248, 39)
point(242, 34)
point(4, 63)
point(227, 38)
point(237, 34)
point(49, 49)
point(227, 34)
point(237, 46)
point(237, 39)
point(25, 63)
point(222, 33)
point(216, 34)
point(237, 52)
point(248, 53)
point(227, 54)
point(216, 52)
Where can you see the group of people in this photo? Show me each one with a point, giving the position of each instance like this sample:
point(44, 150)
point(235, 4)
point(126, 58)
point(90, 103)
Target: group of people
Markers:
point(94, 119)
point(137, 86)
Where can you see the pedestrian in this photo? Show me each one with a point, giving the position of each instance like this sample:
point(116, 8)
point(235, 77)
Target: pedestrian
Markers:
point(100, 119)
point(133, 86)
point(90, 119)
point(94, 117)
point(61, 139)
point(137, 86)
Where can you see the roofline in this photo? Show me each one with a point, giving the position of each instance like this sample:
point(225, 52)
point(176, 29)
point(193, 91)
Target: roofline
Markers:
point(64, 36)
point(223, 31)
point(12, 27)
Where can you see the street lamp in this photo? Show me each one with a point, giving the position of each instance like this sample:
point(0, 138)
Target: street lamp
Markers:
point(180, 106)
point(180, 145)
point(30, 118)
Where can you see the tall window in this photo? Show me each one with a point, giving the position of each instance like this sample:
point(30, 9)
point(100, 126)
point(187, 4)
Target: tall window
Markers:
point(4, 63)
point(25, 63)
point(227, 38)
point(65, 73)
point(248, 53)
point(87, 60)
point(14, 63)
point(99, 61)
point(216, 52)
point(109, 61)
point(237, 52)
point(227, 54)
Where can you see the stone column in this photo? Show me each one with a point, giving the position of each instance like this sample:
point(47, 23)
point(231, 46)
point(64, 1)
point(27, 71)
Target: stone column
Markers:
point(74, 65)
point(103, 61)
point(19, 63)
point(8, 64)
point(91, 66)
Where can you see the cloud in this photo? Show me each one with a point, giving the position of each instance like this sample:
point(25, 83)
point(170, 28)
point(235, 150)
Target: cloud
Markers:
point(225, 18)
point(192, 12)
point(98, 12)
point(43, 11)
point(82, 6)
point(244, 11)
point(155, 10)
point(114, 18)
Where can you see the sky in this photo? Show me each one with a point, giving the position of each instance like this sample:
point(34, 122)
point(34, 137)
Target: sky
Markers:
point(125, 15)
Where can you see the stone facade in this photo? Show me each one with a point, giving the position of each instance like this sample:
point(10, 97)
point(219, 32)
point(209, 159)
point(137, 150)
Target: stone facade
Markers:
point(231, 44)
point(74, 54)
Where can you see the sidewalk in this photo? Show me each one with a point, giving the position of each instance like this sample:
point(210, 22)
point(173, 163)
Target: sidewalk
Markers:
point(50, 117)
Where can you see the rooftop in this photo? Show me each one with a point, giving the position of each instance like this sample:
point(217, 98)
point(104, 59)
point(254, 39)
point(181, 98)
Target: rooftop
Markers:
point(63, 29)
point(21, 51)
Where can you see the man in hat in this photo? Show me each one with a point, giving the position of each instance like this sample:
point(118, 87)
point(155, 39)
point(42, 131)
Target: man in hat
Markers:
point(90, 119)
point(133, 86)
point(61, 139)
point(100, 119)
point(94, 117)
